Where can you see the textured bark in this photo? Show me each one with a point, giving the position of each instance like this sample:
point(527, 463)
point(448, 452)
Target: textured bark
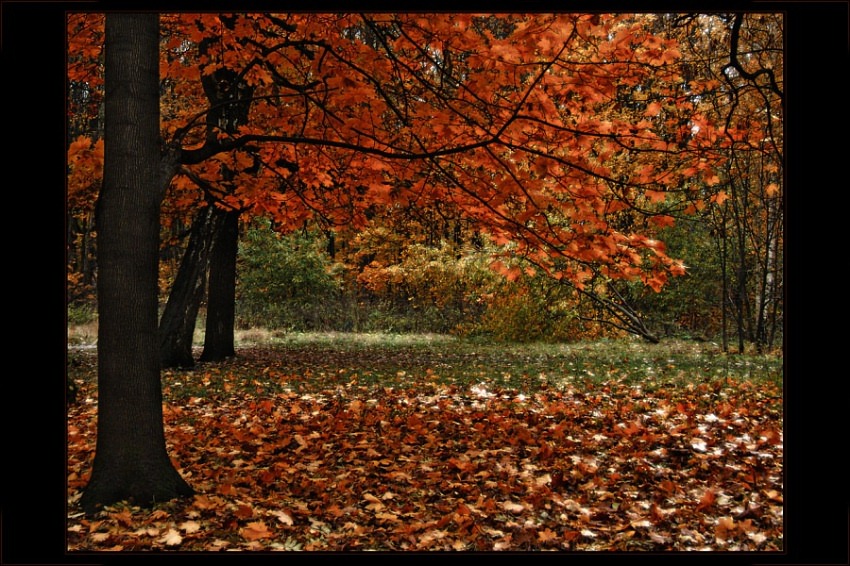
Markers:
point(227, 94)
point(131, 462)
point(229, 97)
point(177, 325)
point(221, 301)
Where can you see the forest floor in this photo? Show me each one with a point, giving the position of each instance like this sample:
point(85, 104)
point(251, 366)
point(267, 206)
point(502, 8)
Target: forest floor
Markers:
point(336, 442)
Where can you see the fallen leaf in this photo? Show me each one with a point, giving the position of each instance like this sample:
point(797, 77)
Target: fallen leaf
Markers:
point(707, 500)
point(123, 517)
point(255, 530)
point(171, 538)
point(283, 517)
point(374, 503)
point(356, 406)
point(190, 527)
point(203, 502)
point(773, 495)
point(512, 507)
point(159, 514)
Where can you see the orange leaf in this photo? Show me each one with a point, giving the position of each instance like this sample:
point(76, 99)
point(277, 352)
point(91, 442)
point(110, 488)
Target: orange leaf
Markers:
point(203, 502)
point(720, 197)
point(374, 503)
point(707, 500)
point(356, 406)
point(656, 196)
point(255, 530)
point(710, 178)
point(244, 512)
point(653, 109)
point(513, 274)
point(80, 144)
point(662, 220)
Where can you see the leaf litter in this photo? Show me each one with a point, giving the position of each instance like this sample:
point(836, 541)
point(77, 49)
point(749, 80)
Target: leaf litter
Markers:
point(285, 461)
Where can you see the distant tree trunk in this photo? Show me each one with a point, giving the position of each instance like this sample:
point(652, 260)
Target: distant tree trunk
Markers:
point(177, 325)
point(131, 461)
point(740, 299)
point(229, 96)
point(775, 290)
point(724, 293)
point(221, 300)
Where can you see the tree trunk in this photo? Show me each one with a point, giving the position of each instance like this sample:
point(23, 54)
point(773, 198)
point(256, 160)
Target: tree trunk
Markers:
point(221, 300)
point(724, 292)
point(224, 89)
point(131, 462)
point(177, 325)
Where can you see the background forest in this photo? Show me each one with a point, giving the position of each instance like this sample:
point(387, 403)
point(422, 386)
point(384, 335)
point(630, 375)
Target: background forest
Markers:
point(430, 266)
point(427, 267)
point(417, 268)
point(415, 271)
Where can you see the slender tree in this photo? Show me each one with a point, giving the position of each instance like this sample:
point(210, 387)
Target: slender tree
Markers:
point(131, 461)
point(221, 301)
point(177, 324)
point(229, 99)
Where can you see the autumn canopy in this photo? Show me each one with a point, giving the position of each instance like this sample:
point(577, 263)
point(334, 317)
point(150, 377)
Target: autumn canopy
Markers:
point(544, 128)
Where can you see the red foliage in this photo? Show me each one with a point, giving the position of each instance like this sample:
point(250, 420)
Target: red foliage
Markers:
point(530, 124)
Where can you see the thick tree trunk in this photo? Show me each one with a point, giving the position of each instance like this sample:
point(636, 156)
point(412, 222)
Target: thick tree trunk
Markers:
point(131, 462)
point(177, 325)
point(221, 299)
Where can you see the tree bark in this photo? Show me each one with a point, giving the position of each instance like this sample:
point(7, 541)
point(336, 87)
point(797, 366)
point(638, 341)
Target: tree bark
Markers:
point(177, 325)
point(221, 300)
point(224, 89)
point(229, 97)
point(131, 461)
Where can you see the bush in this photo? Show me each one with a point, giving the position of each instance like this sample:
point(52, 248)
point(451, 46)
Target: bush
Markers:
point(687, 306)
point(529, 309)
point(285, 281)
point(403, 286)
point(452, 289)
point(429, 289)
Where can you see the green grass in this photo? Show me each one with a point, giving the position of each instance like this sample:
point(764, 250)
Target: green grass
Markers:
point(381, 358)
point(270, 362)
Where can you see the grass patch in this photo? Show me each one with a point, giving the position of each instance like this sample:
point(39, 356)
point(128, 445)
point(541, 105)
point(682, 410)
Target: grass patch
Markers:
point(268, 362)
